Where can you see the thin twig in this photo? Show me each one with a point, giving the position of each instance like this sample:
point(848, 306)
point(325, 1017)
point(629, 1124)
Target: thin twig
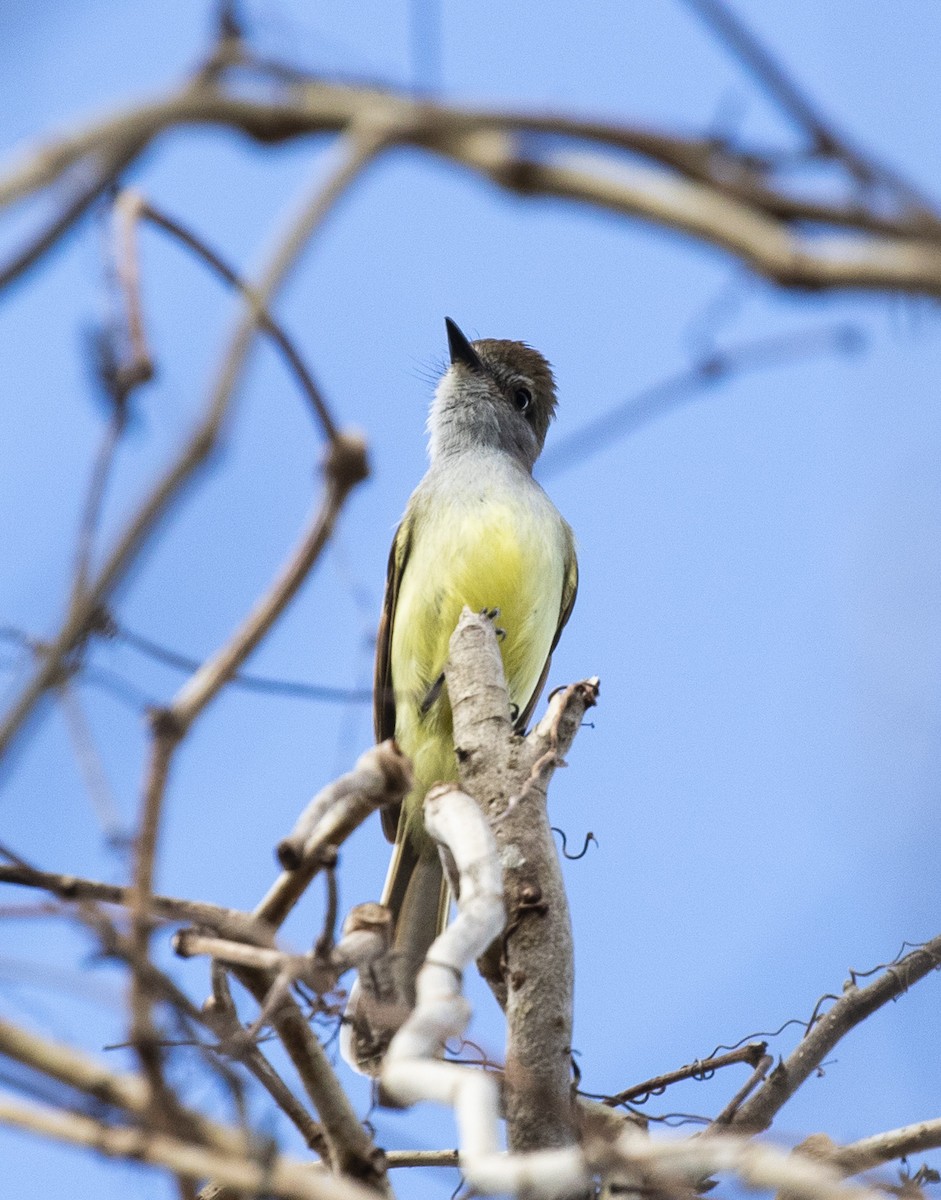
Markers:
point(266, 321)
point(350, 1149)
point(241, 679)
point(700, 1069)
point(855, 1005)
point(718, 366)
point(222, 1013)
point(91, 766)
point(737, 37)
point(227, 922)
point(344, 468)
point(82, 614)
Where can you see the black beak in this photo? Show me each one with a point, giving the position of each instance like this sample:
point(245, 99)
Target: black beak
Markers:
point(461, 349)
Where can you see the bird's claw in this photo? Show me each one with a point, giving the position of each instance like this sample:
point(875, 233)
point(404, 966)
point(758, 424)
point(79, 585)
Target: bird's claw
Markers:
point(491, 614)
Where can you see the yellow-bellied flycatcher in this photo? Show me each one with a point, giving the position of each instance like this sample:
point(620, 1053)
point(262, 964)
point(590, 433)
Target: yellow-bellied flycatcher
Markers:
point(478, 530)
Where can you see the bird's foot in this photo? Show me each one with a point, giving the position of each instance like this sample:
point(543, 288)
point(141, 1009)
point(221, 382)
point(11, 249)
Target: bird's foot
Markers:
point(492, 614)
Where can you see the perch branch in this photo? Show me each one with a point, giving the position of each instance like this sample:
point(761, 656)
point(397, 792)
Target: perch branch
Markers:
point(508, 776)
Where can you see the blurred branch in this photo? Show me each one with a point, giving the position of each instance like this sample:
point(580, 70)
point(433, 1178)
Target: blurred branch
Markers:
point(282, 1177)
point(854, 1006)
point(241, 679)
point(344, 468)
point(782, 88)
point(228, 922)
point(77, 1070)
point(706, 189)
point(146, 211)
point(884, 1147)
point(85, 609)
point(91, 765)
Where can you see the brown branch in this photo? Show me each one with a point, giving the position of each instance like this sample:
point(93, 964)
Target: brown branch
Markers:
point(700, 1069)
point(703, 212)
point(854, 1006)
point(223, 1016)
point(771, 75)
point(266, 321)
point(350, 1149)
point(344, 468)
point(486, 141)
point(90, 764)
point(85, 610)
point(228, 922)
point(422, 1158)
point(382, 776)
point(280, 1177)
point(762, 1067)
point(508, 777)
point(241, 679)
point(129, 1093)
point(884, 1147)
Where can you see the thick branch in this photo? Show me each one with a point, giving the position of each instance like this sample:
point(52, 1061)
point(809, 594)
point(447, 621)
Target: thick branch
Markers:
point(490, 142)
point(508, 777)
point(884, 1147)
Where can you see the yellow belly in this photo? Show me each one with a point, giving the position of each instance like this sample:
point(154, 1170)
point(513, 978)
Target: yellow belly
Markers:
point(487, 555)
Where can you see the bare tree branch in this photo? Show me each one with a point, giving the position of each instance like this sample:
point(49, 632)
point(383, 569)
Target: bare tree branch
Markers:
point(228, 922)
point(855, 1005)
point(700, 188)
point(84, 611)
point(508, 778)
point(704, 1068)
point(265, 320)
point(870, 1152)
point(382, 776)
point(280, 1177)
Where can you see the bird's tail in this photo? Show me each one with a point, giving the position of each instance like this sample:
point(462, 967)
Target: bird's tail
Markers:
point(418, 898)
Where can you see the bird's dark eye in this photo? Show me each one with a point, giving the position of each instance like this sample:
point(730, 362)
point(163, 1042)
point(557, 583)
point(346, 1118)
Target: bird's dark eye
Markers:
point(522, 398)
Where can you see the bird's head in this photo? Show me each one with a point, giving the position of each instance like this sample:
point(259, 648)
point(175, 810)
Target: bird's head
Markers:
point(495, 394)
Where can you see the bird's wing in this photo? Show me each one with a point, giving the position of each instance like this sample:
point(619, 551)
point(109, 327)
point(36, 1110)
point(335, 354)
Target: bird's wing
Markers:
point(569, 592)
point(383, 697)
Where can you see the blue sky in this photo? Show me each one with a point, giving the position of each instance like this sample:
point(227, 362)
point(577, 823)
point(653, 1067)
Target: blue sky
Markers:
point(760, 575)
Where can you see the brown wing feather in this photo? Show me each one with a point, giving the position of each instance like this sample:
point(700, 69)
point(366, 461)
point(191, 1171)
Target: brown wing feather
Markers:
point(383, 696)
point(569, 592)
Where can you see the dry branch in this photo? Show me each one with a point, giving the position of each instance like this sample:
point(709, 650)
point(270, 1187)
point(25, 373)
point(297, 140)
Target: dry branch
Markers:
point(699, 187)
point(884, 1147)
point(280, 1177)
point(86, 609)
point(855, 1005)
point(227, 922)
point(508, 777)
point(381, 776)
